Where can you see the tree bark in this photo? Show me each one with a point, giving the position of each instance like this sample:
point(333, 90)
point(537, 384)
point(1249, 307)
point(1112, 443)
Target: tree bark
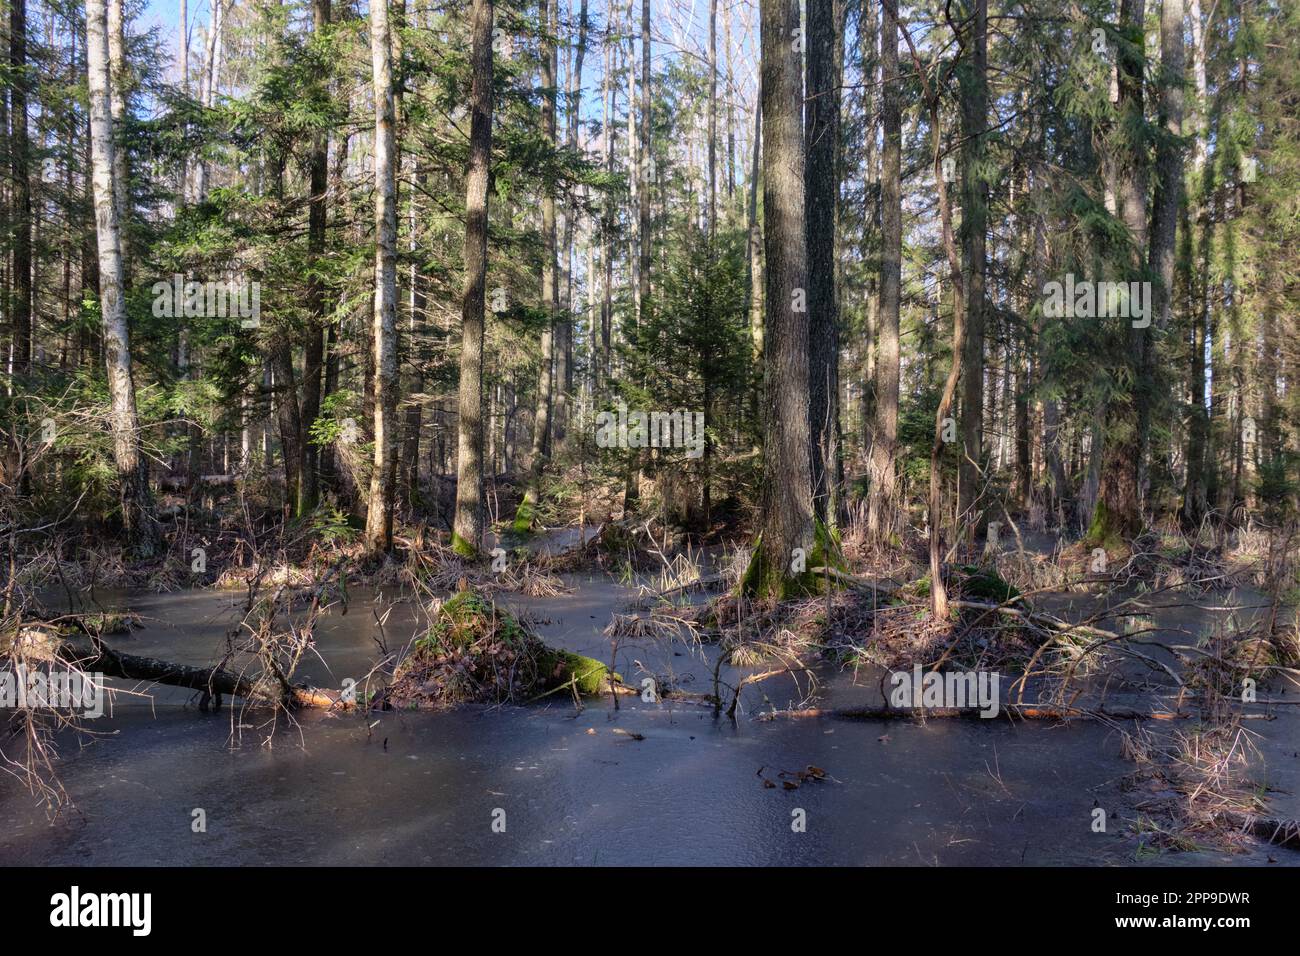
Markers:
point(1168, 197)
point(379, 515)
point(527, 513)
point(314, 347)
point(713, 120)
point(1118, 513)
point(208, 84)
point(20, 305)
point(118, 84)
point(132, 468)
point(881, 507)
point(785, 499)
point(1195, 490)
point(973, 83)
point(467, 535)
point(821, 192)
point(938, 590)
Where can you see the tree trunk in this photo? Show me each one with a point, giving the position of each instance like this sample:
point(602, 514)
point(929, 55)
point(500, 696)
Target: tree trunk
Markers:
point(564, 327)
point(1117, 514)
point(938, 590)
point(821, 191)
point(546, 384)
point(208, 84)
point(1196, 487)
point(379, 514)
point(645, 152)
point(183, 69)
point(414, 421)
point(713, 120)
point(1168, 197)
point(20, 303)
point(869, 36)
point(467, 536)
point(785, 499)
point(881, 516)
point(973, 81)
point(118, 84)
point(314, 347)
point(602, 358)
point(754, 262)
point(132, 468)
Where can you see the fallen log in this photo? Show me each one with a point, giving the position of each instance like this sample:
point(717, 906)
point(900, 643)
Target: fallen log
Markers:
point(89, 654)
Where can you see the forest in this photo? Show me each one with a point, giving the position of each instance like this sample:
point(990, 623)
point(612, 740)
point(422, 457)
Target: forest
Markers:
point(771, 368)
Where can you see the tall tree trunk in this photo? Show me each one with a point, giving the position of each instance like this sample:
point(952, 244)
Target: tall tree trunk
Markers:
point(821, 192)
point(869, 37)
point(934, 505)
point(314, 347)
point(118, 85)
point(1168, 197)
point(132, 467)
point(729, 93)
point(609, 90)
point(881, 517)
point(183, 68)
point(645, 151)
point(546, 384)
point(713, 121)
point(973, 82)
point(1195, 490)
point(20, 305)
point(379, 514)
point(1117, 512)
point(564, 326)
point(414, 420)
point(208, 84)
point(785, 499)
point(467, 535)
point(284, 376)
point(754, 241)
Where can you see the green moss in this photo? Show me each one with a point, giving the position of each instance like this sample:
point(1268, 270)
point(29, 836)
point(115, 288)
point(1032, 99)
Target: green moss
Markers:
point(463, 619)
point(462, 547)
point(561, 667)
point(763, 578)
point(1102, 532)
point(524, 517)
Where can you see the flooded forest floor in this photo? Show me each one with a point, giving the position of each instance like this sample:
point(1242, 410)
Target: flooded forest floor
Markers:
point(635, 779)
